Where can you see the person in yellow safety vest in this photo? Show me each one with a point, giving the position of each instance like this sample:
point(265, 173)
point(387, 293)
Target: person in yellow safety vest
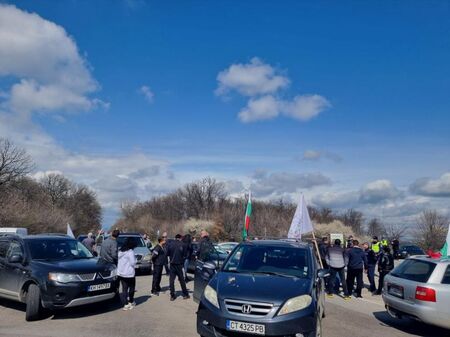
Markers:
point(376, 245)
point(384, 242)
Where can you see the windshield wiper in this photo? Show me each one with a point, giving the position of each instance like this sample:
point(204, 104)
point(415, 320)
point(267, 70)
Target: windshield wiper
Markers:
point(274, 273)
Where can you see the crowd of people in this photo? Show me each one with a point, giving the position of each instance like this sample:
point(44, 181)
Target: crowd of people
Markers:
point(173, 255)
point(356, 258)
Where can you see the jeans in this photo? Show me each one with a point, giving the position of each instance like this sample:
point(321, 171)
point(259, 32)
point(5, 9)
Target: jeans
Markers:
point(351, 275)
point(331, 284)
point(186, 266)
point(371, 277)
point(128, 287)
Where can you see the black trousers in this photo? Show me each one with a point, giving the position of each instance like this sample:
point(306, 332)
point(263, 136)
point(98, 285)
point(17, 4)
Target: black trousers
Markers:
point(128, 286)
point(351, 275)
point(176, 270)
point(156, 282)
point(381, 281)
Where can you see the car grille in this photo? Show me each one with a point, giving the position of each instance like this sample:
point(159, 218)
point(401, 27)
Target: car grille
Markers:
point(87, 277)
point(138, 257)
point(105, 274)
point(255, 309)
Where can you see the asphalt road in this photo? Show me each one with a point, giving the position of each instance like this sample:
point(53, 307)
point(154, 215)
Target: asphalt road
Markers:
point(158, 317)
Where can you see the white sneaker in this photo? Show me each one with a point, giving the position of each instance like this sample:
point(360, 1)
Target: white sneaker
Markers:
point(132, 305)
point(127, 307)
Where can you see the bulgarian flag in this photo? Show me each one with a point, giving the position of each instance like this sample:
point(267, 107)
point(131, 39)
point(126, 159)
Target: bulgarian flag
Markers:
point(445, 251)
point(248, 213)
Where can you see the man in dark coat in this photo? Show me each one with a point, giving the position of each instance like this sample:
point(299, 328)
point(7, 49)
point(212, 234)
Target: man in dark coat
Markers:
point(176, 253)
point(159, 259)
point(357, 262)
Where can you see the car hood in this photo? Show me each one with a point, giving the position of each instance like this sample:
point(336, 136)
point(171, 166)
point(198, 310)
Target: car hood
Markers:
point(141, 251)
point(74, 266)
point(260, 288)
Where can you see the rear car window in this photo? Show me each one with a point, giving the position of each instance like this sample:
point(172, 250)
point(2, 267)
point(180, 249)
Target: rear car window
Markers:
point(414, 270)
point(446, 278)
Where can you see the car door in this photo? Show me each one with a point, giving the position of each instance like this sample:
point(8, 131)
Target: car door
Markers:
point(204, 272)
point(4, 245)
point(13, 271)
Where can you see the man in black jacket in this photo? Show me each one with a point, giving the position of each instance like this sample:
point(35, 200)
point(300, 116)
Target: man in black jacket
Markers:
point(205, 248)
point(385, 265)
point(159, 259)
point(371, 264)
point(176, 254)
point(357, 262)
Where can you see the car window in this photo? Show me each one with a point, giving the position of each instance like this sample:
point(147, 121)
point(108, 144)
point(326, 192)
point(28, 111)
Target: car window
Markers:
point(446, 278)
point(414, 270)
point(137, 241)
point(4, 245)
point(292, 261)
point(15, 248)
point(52, 249)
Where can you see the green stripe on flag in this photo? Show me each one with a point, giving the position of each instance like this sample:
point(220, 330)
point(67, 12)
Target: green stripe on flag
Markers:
point(444, 250)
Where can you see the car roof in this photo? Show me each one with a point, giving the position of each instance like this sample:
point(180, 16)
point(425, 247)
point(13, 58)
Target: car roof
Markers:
point(442, 259)
point(279, 242)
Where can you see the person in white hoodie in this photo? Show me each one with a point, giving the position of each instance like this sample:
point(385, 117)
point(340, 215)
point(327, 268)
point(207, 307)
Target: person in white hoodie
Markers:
point(126, 273)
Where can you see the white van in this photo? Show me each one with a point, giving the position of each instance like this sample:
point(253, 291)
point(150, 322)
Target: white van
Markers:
point(13, 230)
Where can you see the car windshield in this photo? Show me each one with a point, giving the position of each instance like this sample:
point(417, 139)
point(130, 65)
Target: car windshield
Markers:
point(274, 260)
point(414, 270)
point(57, 249)
point(137, 241)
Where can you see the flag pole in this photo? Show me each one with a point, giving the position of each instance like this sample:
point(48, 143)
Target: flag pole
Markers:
point(317, 249)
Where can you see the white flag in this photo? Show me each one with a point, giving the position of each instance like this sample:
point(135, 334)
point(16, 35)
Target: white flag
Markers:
point(301, 223)
point(69, 231)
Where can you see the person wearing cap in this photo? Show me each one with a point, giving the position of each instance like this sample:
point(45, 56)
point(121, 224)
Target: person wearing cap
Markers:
point(176, 254)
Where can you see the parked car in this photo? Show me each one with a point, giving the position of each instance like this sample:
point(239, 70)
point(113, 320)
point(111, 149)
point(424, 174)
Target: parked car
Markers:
point(227, 246)
point(409, 250)
point(142, 253)
point(265, 287)
point(14, 230)
point(53, 272)
point(218, 257)
point(419, 288)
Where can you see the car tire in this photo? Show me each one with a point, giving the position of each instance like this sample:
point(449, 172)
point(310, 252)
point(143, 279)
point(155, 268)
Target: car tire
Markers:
point(33, 302)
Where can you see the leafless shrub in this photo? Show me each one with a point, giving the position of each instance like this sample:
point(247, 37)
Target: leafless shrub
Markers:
point(431, 230)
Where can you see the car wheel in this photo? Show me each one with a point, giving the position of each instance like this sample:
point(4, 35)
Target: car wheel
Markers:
point(33, 302)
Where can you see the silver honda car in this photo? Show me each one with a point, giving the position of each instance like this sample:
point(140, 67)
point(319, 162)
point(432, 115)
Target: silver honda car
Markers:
point(419, 288)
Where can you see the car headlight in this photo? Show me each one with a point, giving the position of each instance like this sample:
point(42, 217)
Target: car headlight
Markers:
point(211, 296)
point(147, 258)
point(63, 278)
point(295, 304)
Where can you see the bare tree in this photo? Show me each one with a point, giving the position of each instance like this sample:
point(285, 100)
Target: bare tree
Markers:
point(14, 162)
point(354, 219)
point(57, 187)
point(375, 228)
point(395, 232)
point(431, 230)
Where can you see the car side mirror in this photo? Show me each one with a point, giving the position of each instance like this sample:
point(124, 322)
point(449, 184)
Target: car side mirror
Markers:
point(16, 258)
point(322, 273)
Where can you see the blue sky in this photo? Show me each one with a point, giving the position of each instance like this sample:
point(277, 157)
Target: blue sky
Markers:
point(379, 120)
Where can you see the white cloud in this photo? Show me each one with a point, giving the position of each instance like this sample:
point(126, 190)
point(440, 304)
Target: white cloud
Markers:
point(439, 187)
point(51, 74)
point(305, 107)
point(333, 200)
point(262, 83)
point(147, 93)
point(280, 184)
point(254, 78)
point(378, 191)
point(314, 155)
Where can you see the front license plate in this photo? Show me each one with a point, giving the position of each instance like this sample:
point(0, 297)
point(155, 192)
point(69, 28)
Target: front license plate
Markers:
point(97, 287)
point(251, 328)
point(395, 290)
